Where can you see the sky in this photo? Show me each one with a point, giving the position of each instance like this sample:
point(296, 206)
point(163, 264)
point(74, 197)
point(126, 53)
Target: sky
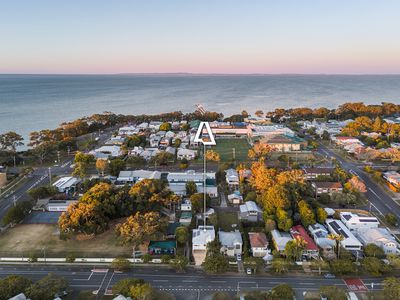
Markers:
point(216, 36)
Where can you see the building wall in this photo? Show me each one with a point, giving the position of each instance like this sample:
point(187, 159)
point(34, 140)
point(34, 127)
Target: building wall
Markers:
point(3, 179)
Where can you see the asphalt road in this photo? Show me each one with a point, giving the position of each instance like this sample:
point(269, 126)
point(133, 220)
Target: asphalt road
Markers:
point(381, 201)
point(191, 285)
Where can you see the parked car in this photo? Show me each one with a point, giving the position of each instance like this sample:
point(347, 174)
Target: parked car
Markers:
point(329, 276)
point(249, 271)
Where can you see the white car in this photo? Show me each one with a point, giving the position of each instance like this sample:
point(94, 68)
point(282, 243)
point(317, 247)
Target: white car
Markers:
point(249, 271)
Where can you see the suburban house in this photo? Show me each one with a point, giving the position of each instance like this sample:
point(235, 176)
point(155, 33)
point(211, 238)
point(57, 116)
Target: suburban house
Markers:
point(186, 205)
point(355, 221)
point(67, 184)
point(59, 205)
point(186, 218)
point(380, 237)
point(350, 242)
point(250, 212)
point(128, 130)
point(280, 239)
point(235, 198)
point(106, 152)
point(284, 143)
point(231, 242)
point(149, 153)
point(258, 244)
point(115, 140)
point(154, 140)
point(177, 182)
point(314, 173)
point(232, 178)
point(325, 187)
point(311, 250)
point(346, 140)
point(320, 236)
point(393, 179)
point(186, 154)
point(137, 175)
point(162, 247)
point(200, 238)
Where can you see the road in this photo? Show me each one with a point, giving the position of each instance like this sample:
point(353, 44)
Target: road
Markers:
point(378, 197)
point(192, 285)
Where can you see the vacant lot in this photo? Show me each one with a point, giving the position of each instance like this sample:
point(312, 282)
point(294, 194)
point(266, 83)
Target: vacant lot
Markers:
point(27, 238)
point(225, 148)
point(227, 219)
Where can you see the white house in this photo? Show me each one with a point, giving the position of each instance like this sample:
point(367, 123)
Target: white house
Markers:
point(59, 205)
point(235, 198)
point(354, 221)
point(280, 239)
point(66, 184)
point(200, 238)
point(231, 242)
point(177, 182)
point(258, 244)
point(149, 153)
point(137, 175)
point(186, 153)
point(380, 237)
point(128, 130)
point(232, 178)
point(350, 242)
point(320, 236)
point(186, 205)
point(107, 151)
point(250, 212)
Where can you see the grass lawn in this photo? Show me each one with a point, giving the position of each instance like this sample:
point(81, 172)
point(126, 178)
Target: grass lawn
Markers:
point(226, 219)
point(224, 148)
point(27, 238)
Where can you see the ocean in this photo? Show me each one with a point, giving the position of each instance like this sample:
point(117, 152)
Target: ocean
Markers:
point(34, 102)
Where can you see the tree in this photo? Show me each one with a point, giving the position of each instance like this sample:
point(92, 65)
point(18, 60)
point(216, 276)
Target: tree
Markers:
point(221, 296)
point(215, 263)
point(279, 265)
point(256, 263)
point(262, 178)
point(197, 201)
point(138, 228)
point(191, 188)
point(182, 234)
point(115, 166)
point(260, 150)
point(283, 220)
point(123, 286)
point(43, 192)
point(47, 287)
point(391, 288)
point(10, 141)
point(325, 135)
point(179, 262)
point(82, 162)
point(101, 165)
point(337, 238)
point(391, 219)
point(342, 266)
point(13, 285)
point(356, 184)
point(212, 155)
point(120, 264)
point(282, 292)
point(165, 126)
point(333, 292)
point(372, 250)
point(294, 248)
point(276, 197)
point(259, 113)
point(17, 213)
point(374, 266)
point(321, 215)
point(307, 215)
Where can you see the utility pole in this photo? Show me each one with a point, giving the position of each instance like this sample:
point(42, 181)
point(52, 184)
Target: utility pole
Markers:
point(58, 157)
point(234, 153)
point(50, 175)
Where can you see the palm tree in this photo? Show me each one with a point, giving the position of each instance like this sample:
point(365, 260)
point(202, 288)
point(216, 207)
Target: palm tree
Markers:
point(337, 238)
point(299, 244)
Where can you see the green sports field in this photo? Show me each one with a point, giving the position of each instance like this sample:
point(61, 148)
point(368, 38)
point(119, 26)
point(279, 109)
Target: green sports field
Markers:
point(225, 149)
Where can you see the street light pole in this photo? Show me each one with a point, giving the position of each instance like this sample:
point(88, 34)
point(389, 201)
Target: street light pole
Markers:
point(50, 175)
point(204, 186)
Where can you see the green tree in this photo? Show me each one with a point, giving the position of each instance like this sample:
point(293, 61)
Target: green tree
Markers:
point(13, 285)
point(372, 250)
point(197, 202)
point(10, 141)
point(82, 162)
point(307, 215)
point(17, 213)
point(215, 263)
point(374, 266)
point(332, 292)
point(182, 234)
point(282, 292)
point(179, 262)
point(391, 219)
point(391, 288)
point(43, 192)
point(256, 263)
point(342, 266)
point(279, 265)
point(120, 264)
point(123, 286)
point(283, 220)
point(191, 188)
point(165, 126)
point(321, 215)
point(221, 296)
point(47, 287)
point(116, 165)
point(294, 248)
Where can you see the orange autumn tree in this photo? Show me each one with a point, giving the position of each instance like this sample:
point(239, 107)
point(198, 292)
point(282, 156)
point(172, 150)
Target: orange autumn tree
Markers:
point(260, 151)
